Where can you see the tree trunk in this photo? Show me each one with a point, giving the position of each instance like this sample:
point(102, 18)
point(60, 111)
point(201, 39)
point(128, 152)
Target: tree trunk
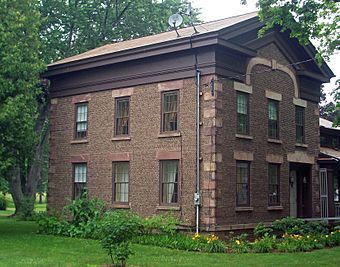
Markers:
point(15, 186)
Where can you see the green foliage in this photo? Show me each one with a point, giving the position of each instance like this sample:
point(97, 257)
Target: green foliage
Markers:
point(202, 243)
point(260, 230)
point(26, 211)
point(72, 27)
point(164, 223)
point(306, 19)
point(291, 225)
point(116, 233)
point(240, 244)
point(3, 202)
point(265, 244)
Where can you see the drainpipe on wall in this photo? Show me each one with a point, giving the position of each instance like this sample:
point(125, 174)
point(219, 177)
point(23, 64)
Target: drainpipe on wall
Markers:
point(197, 196)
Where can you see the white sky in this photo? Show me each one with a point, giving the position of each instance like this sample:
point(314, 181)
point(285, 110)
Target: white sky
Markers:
point(218, 9)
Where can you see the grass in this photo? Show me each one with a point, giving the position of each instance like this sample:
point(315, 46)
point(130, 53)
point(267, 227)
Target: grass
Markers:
point(21, 246)
point(10, 206)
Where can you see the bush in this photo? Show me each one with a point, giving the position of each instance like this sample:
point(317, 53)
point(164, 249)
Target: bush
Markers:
point(3, 202)
point(240, 244)
point(260, 230)
point(265, 244)
point(298, 226)
point(162, 223)
point(26, 211)
point(116, 233)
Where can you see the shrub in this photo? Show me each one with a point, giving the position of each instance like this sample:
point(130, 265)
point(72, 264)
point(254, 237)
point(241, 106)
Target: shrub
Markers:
point(260, 230)
point(239, 244)
point(52, 224)
point(265, 244)
point(288, 225)
point(3, 202)
point(162, 223)
point(116, 233)
point(27, 208)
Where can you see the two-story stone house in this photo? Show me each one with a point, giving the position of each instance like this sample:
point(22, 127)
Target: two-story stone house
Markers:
point(149, 123)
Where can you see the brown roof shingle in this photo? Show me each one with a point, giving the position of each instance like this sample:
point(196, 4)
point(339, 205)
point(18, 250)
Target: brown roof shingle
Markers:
point(158, 38)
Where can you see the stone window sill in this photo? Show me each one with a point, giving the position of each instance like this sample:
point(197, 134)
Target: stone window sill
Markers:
point(163, 207)
point(121, 205)
point(301, 145)
point(244, 136)
point(276, 141)
point(173, 134)
point(121, 138)
point(238, 209)
point(81, 141)
point(275, 208)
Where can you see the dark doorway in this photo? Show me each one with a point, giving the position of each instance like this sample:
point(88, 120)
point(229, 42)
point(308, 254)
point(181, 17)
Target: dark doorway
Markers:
point(300, 190)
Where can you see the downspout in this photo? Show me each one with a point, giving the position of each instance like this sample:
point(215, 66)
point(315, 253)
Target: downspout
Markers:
point(197, 197)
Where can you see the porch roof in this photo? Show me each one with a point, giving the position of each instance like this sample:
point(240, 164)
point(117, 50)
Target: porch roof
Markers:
point(329, 153)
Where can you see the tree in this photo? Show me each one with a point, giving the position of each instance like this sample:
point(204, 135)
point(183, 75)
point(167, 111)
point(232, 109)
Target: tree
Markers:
point(306, 19)
point(20, 95)
point(74, 26)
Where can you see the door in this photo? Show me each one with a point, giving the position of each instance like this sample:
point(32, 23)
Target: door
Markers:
point(293, 193)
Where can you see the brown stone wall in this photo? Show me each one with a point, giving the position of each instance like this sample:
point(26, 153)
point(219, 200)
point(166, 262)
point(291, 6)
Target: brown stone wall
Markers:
point(143, 149)
point(258, 147)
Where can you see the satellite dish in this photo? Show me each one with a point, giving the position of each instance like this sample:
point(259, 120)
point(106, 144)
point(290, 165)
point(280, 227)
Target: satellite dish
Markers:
point(175, 20)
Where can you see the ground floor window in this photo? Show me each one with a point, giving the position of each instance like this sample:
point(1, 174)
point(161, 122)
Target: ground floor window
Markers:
point(169, 181)
point(242, 183)
point(274, 185)
point(336, 186)
point(121, 182)
point(80, 179)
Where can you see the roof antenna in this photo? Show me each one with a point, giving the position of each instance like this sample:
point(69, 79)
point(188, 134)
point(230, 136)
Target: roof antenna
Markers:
point(175, 21)
point(189, 14)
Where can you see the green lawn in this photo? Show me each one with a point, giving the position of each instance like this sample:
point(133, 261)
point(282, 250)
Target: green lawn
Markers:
point(10, 206)
point(21, 246)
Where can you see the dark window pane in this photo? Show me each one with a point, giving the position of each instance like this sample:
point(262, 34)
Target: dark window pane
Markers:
point(80, 179)
point(242, 183)
point(273, 185)
point(169, 110)
point(242, 104)
point(300, 124)
point(122, 116)
point(273, 119)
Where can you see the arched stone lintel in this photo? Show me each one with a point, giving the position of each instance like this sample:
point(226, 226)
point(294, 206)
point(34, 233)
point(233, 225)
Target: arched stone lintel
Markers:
point(275, 66)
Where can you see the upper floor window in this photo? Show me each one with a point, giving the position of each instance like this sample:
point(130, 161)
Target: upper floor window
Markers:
point(80, 179)
point(242, 103)
point(273, 119)
point(81, 120)
point(122, 116)
point(242, 183)
point(169, 181)
point(169, 111)
point(274, 185)
point(121, 182)
point(300, 124)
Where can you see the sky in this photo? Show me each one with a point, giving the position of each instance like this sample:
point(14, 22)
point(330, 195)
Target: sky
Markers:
point(219, 9)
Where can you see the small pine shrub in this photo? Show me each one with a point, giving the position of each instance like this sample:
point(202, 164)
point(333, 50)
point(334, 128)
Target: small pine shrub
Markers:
point(26, 211)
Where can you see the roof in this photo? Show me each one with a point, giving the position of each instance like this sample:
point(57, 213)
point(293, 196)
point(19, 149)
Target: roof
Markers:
point(203, 28)
point(331, 152)
point(327, 124)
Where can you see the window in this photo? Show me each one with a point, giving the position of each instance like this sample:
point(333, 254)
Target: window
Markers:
point(121, 182)
point(242, 183)
point(81, 121)
point(336, 186)
point(122, 116)
point(274, 185)
point(169, 111)
point(300, 124)
point(273, 115)
point(80, 179)
point(242, 113)
point(169, 181)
